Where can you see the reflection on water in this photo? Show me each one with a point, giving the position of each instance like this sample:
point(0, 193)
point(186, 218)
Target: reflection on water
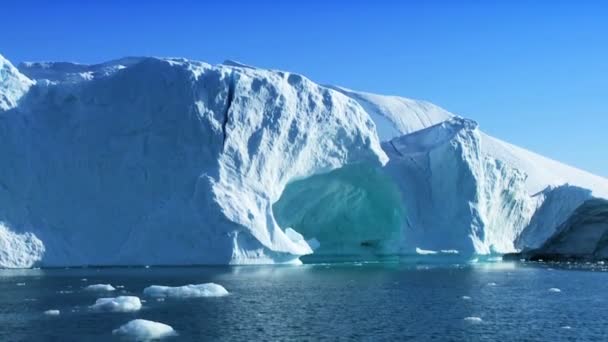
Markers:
point(348, 301)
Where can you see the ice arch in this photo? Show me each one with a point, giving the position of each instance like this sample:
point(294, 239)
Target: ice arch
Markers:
point(353, 212)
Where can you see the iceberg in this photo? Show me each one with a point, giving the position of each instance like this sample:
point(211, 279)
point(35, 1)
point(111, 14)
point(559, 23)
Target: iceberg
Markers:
point(52, 312)
point(100, 287)
point(144, 330)
point(117, 304)
point(188, 163)
point(186, 291)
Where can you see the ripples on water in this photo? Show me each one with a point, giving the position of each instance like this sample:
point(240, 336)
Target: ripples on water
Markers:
point(351, 301)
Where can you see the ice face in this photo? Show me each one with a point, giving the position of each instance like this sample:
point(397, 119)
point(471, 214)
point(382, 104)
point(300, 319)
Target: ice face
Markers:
point(355, 210)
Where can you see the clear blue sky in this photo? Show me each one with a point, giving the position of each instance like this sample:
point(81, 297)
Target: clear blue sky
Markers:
point(534, 73)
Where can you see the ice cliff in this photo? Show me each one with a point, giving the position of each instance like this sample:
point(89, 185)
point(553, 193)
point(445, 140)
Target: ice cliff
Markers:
point(170, 161)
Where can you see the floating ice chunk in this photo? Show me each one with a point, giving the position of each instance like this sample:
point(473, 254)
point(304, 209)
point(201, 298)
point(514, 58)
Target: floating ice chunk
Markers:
point(466, 298)
point(65, 291)
point(186, 291)
point(84, 279)
point(491, 284)
point(118, 304)
point(52, 312)
point(20, 284)
point(473, 319)
point(567, 327)
point(144, 330)
point(424, 251)
point(100, 287)
point(450, 251)
point(554, 289)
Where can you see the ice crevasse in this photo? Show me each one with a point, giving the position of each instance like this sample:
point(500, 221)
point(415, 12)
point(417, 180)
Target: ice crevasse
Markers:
point(169, 161)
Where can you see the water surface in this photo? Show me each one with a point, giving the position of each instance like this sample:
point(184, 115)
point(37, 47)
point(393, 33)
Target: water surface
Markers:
point(347, 302)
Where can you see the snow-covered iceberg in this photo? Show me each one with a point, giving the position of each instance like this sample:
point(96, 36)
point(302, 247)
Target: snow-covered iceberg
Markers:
point(117, 304)
point(152, 161)
point(144, 330)
point(186, 291)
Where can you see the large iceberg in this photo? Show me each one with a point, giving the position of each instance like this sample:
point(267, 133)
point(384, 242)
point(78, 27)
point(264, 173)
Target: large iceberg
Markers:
point(162, 161)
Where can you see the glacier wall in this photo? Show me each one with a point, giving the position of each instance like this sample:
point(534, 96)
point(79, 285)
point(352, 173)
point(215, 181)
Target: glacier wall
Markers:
point(583, 236)
point(457, 197)
point(170, 161)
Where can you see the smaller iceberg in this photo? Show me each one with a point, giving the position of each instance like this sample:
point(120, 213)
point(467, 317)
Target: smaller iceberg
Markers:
point(100, 287)
point(118, 304)
point(186, 291)
point(473, 319)
point(144, 330)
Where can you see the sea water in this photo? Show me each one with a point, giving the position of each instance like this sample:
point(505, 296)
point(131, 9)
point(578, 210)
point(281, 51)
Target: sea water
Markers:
point(499, 301)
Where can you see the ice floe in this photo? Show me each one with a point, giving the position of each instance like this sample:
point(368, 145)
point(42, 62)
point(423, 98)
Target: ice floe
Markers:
point(186, 291)
point(100, 287)
point(473, 319)
point(144, 330)
point(117, 304)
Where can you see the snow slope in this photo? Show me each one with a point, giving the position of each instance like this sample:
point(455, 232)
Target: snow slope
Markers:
point(169, 161)
point(395, 116)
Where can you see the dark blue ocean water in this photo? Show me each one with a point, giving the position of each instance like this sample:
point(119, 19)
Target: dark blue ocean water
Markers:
point(339, 302)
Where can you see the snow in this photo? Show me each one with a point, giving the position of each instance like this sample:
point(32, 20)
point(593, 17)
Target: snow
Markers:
point(100, 287)
point(189, 163)
point(395, 116)
point(144, 330)
point(186, 291)
point(52, 312)
point(118, 304)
